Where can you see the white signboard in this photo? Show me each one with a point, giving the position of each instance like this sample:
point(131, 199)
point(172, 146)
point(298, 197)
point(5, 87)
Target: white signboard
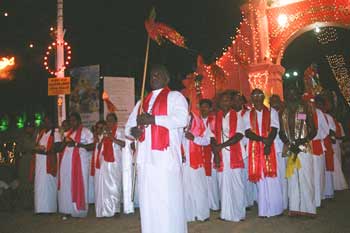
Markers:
point(121, 92)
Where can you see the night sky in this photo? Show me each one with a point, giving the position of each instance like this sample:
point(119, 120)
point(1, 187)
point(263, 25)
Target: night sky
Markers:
point(111, 33)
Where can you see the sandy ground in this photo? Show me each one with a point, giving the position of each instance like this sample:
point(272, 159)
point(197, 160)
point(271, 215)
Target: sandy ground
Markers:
point(333, 217)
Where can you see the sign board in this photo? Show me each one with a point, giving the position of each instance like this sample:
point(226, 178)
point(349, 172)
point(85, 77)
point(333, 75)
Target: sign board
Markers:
point(58, 86)
point(121, 92)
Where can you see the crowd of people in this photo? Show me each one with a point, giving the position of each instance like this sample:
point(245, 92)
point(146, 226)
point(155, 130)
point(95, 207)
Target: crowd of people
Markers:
point(228, 157)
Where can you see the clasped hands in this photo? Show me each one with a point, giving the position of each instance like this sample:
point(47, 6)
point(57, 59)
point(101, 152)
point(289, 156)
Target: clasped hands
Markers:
point(142, 120)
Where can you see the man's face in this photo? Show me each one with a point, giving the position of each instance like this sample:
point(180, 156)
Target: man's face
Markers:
point(110, 121)
point(275, 102)
point(158, 79)
point(65, 125)
point(47, 123)
point(225, 102)
point(204, 109)
point(292, 95)
point(257, 97)
point(99, 128)
point(237, 102)
point(74, 122)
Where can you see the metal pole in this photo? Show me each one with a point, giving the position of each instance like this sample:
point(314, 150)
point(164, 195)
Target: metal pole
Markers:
point(60, 66)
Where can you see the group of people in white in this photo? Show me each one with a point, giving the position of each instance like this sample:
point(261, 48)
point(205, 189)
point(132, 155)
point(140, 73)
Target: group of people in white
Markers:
point(280, 158)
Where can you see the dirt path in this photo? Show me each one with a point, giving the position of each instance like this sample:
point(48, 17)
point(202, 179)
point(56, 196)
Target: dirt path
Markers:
point(334, 217)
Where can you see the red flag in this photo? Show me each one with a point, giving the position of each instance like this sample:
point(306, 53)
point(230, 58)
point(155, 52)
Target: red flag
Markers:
point(160, 31)
point(110, 106)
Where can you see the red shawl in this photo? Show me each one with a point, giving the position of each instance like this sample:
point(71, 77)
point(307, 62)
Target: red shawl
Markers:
point(257, 159)
point(236, 160)
point(197, 128)
point(206, 150)
point(160, 134)
point(51, 167)
point(316, 144)
point(77, 180)
point(329, 154)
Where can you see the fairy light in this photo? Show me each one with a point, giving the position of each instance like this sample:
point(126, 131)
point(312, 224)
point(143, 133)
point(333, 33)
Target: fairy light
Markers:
point(50, 51)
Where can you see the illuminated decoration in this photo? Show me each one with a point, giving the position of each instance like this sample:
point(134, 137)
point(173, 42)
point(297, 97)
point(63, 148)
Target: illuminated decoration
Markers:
point(295, 73)
point(50, 51)
point(327, 35)
point(38, 119)
point(20, 122)
point(311, 82)
point(253, 59)
point(317, 29)
point(6, 14)
point(6, 63)
point(282, 20)
point(8, 152)
point(287, 75)
point(6, 66)
point(31, 45)
point(4, 124)
point(59, 101)
point(341, 74)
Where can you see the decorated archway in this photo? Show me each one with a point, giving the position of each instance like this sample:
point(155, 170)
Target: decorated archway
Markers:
point(253, 60)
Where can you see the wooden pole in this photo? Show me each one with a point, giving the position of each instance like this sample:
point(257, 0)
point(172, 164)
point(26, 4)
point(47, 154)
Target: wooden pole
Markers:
point(134, 175)
point(144, 74)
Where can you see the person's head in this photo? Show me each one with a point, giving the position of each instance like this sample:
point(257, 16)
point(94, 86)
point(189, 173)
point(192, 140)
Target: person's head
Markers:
point(293, 94)
point(111, 119)
point(159, 77)
point(275, 102)
point(320, 102)
point(257, 97)
point(65, 125)
point(29, 127)
point(225, 101)
point(205, 106)
point(237, 101)
point(75, 120)
point(48, 122)
point(99, 127)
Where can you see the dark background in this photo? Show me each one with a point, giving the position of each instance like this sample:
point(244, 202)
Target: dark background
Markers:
point(111, 33)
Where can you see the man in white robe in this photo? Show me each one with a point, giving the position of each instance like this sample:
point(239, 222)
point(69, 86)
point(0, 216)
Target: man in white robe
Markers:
point(74, 169)
point(297, 129)
point(339, 180)
point(318, 150)
point(108, 183)
point(276, 103)
point(270, 201)
point(160, 182)
point(45, 186)
point(228, 155)
point(194, 178)
point(205, 107)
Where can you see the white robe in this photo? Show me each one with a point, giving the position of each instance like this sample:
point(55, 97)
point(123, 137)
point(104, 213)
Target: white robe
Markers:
point(339, 180)
point(301, 188)
point(213, 183)
point(45, 185)
point(231, 184)
point(319, 162)
point(108, 182)
point(66, 206)
point(270, 196)
point(91, 192)
point(128, 172)
point(250, 188)
point(329, 185)
point(195, 183)
point(160, 181)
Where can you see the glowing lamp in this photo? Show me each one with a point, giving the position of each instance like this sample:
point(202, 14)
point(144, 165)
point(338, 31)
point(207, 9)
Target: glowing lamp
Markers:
point(295, 73)
point(282, 20)
point(6, 14)
point(317, 29)
point(287, 75)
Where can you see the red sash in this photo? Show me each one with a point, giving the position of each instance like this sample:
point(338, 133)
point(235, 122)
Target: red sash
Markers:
point(95, 161)
point(51, 167)
point(206, 150)
point(316, 145)
point(77, 180)
point(236, 160)
point(108, 151)
point(329, 154)
point(338, 132)
point(197, 128)
point(160, 134)
point(256, 158)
